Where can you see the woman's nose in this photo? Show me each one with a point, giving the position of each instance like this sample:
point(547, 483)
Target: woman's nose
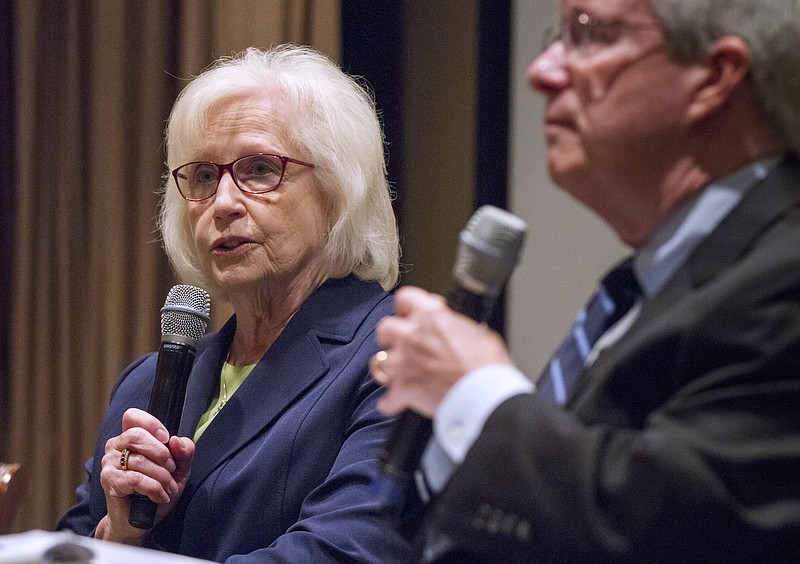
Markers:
point(228, 196)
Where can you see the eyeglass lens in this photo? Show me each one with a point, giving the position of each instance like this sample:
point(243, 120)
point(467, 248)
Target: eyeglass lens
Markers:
point(253, 173)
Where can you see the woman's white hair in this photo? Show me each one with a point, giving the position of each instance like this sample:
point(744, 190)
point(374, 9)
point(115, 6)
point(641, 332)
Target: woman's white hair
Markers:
point(772, 32)
point(333, 120)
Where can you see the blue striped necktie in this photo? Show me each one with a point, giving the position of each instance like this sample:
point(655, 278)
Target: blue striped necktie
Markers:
point(615, 296)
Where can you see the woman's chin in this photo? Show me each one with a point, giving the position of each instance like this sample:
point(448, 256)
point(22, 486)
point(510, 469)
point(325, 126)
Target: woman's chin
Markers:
point(237, 282)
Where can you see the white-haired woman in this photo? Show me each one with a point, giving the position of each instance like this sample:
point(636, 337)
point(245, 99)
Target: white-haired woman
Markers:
point(277, 200)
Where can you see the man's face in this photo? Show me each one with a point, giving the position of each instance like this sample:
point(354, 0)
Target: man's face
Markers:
point(615, 105)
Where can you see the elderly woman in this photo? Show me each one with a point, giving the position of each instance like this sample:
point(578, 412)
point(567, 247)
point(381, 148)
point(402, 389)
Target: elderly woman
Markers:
point(277, 200)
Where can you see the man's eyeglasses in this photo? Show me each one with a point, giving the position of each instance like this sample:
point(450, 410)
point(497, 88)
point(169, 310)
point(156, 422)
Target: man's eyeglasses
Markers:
point(583, 34)
point(255, 174)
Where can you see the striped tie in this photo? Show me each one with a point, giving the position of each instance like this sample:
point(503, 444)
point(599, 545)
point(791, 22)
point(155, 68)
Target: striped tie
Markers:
point(616, 294)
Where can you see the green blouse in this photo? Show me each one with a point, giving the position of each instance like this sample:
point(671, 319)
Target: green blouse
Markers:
point(230, 380)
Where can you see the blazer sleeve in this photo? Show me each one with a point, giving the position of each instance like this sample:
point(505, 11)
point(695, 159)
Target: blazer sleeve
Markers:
point(78, 519)
point(132, 389)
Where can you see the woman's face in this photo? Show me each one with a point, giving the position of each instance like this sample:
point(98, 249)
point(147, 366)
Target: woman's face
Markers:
point(252, 243)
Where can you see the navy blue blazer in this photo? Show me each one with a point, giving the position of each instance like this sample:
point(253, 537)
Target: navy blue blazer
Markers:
point(283, 473)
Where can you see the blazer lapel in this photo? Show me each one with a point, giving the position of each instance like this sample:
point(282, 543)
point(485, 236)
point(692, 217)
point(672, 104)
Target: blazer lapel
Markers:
point(205, 377)
point(290, 367)
point(294, 363)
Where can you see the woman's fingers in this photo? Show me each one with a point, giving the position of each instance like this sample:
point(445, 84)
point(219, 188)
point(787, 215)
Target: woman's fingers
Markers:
point(138, 461)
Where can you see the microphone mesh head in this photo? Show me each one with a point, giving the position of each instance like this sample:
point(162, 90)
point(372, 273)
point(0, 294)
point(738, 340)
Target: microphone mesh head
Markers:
point(489, 249)
point(185, 312)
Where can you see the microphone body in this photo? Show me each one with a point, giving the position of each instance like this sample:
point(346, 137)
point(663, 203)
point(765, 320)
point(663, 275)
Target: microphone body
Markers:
point(488, 251)
point(410, 432)
point(184, 318)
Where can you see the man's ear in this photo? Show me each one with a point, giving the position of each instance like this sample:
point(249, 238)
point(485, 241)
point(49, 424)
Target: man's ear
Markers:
point(725, 67)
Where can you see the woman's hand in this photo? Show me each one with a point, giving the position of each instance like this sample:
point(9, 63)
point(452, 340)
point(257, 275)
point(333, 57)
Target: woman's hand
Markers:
point(151, 468)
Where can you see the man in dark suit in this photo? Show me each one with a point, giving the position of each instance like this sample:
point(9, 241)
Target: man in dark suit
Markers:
point(678, 123)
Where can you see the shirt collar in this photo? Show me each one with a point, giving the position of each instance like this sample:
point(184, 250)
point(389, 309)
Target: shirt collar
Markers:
point(670, 245)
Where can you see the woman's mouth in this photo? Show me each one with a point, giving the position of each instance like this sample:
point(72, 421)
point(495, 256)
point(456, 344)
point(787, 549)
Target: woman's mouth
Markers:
point(231, 246)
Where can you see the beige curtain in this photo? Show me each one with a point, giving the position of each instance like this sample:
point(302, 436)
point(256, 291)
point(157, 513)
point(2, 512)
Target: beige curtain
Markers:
point(94, 84)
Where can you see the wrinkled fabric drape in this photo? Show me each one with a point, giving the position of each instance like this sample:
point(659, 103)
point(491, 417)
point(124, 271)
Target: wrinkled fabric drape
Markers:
point(94, 84)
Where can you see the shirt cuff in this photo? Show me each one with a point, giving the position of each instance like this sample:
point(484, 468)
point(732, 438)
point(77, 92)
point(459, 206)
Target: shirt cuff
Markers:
point(469, 403)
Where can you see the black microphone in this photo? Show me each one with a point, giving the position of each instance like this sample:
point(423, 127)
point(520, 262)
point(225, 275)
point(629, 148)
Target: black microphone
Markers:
point(489, 247)
point(184, 318)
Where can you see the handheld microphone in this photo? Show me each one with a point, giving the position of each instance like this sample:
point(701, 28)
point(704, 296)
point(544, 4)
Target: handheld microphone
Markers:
point(488, 251)
point(184, 318)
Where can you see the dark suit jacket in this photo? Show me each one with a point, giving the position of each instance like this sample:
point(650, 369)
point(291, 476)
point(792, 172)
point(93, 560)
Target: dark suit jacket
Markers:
point(682, 441)
point(283, 472)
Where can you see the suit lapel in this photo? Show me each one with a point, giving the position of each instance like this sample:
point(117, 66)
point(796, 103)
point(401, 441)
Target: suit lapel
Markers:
point(764, 203)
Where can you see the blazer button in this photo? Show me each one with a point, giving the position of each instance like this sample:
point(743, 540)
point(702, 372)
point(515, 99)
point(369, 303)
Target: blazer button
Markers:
point(523, 531)
point(508, 524)
point(493, 524)
point(484, 513)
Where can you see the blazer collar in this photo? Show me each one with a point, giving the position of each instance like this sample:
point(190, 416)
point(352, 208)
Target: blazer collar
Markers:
point(294, 363)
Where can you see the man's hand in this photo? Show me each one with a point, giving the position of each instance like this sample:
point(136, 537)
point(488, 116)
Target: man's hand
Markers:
point(428, 348)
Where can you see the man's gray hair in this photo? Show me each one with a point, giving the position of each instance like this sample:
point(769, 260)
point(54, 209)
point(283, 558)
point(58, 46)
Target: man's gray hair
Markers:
point(771, 28)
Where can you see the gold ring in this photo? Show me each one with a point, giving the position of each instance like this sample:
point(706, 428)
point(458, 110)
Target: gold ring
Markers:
point(379, 375)
point(123, 459)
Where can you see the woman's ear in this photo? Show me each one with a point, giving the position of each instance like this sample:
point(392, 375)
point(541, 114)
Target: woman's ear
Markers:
point(724, 70)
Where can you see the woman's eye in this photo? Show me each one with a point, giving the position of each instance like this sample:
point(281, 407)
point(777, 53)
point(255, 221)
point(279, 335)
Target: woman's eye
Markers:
point(262, 167)
point(205, 173)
